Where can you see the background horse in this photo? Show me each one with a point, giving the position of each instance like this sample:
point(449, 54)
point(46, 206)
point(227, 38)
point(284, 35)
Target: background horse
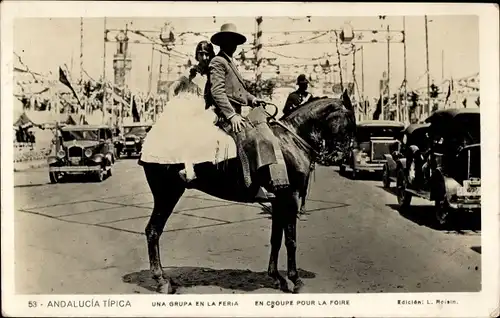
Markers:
point(332, 120)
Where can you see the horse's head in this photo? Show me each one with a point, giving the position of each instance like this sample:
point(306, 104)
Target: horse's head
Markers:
point(328, 124)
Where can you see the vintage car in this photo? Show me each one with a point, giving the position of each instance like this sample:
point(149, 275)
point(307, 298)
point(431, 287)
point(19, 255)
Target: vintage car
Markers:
point(414, 134)
point(82, 149)
point(133, 137)
point(449, 171)
point(373, 139)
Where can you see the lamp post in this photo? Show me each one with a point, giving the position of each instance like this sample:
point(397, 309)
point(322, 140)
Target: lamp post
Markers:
point(427, 67)
point(104, 90)
point(167, 38)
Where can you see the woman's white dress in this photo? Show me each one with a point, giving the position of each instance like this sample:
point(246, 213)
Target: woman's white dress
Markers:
point(186, 133)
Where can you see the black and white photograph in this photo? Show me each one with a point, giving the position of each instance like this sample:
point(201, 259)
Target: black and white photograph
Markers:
point(237, 155)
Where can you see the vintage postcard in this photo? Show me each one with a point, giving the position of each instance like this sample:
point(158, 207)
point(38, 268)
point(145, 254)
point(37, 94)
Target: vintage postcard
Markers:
point(250, 159)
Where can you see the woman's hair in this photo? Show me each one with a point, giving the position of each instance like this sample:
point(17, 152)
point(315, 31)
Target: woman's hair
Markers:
point(206, 47)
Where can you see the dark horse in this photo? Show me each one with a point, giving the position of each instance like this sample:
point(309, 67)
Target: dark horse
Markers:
point(331, 119)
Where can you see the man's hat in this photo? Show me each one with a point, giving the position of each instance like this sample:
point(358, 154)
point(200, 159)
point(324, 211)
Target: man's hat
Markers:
point(228, 33)
point(302, 79)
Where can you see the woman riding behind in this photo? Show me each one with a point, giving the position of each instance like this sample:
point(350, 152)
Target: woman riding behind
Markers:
point(185, 131)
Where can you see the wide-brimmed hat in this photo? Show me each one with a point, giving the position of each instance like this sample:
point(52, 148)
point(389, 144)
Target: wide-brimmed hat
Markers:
point(228, 33)
point(302, 79)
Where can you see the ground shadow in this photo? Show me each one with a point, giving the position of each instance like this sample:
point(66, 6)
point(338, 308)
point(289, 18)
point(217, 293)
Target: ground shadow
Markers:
point(266, 210)
point(233, 279)
point(29, 185)
point(362, 175)
point(390, 190)
point(424, 215)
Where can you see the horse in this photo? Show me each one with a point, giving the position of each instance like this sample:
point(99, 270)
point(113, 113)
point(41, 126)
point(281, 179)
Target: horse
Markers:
point(330, 118)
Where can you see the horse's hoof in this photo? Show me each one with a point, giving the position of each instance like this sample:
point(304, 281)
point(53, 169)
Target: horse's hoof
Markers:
point(298, 286)
point(302, 217)
point(165, 288)
point(281, 284)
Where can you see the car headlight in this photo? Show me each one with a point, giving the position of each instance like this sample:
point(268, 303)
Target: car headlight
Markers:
point(137, 139)
point(98, 158)
point(361, 156)
point(88, 153)
point(60, 154)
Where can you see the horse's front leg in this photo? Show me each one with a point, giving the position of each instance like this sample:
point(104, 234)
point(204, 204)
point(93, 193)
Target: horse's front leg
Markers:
point(164, 203)
point(290, 228)
point(276, 239)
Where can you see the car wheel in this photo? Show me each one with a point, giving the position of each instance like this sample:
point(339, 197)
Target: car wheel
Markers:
point(404, 197)
point(53, 177)
point(354, 174)
point(109, 172)
point(386, 180)
point(342, 169)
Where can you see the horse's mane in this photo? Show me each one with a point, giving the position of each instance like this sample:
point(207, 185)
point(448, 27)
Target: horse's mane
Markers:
point(312, 107)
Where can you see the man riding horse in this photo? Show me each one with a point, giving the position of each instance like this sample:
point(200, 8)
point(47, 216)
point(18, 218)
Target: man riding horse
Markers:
point(260, 151)
point(257, 146)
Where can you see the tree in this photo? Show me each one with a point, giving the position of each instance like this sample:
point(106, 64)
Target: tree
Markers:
point(434, 93)
point(266, 88)
point(414, 98)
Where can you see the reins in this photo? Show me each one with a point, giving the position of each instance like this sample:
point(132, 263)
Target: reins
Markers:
point(304, 143)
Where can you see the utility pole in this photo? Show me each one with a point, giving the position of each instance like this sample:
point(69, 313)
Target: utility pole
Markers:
point(258, 56)
point(81, 66)
point(362, 72)
point(104, 91)
point(150, 78)
point(427, 68)
point(405, 105)
point(388, 68)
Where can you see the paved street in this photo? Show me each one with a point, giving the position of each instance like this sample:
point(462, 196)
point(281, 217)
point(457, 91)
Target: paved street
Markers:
point(84, 237)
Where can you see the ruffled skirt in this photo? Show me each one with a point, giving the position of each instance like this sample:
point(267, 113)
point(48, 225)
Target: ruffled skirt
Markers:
point(186, 133)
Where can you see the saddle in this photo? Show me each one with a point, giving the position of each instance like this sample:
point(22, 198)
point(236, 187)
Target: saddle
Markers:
point(258, 148)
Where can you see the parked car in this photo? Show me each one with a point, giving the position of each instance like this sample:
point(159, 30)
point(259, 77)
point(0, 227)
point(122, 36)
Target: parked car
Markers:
point(133, 137)
point(414, 134)
point(449, 171)
point(82, 149)
point(373, 139)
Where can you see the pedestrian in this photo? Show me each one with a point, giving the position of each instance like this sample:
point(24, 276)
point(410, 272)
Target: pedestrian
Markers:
point(298, 97)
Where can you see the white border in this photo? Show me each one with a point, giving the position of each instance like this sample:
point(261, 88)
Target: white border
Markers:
point(481, 304)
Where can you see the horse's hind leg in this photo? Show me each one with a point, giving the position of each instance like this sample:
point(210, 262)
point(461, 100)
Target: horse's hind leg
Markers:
point(158, 177)
point(290, 228)
point(276, 239)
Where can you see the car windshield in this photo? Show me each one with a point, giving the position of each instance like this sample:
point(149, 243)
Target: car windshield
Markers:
point(135, 130)
point(470, 125)
point(69, 135)
point(366, 133)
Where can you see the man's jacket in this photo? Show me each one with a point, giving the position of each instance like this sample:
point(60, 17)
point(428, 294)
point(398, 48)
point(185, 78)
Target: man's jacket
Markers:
point(256, 144)
point(294, 101)
point(226, 87)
